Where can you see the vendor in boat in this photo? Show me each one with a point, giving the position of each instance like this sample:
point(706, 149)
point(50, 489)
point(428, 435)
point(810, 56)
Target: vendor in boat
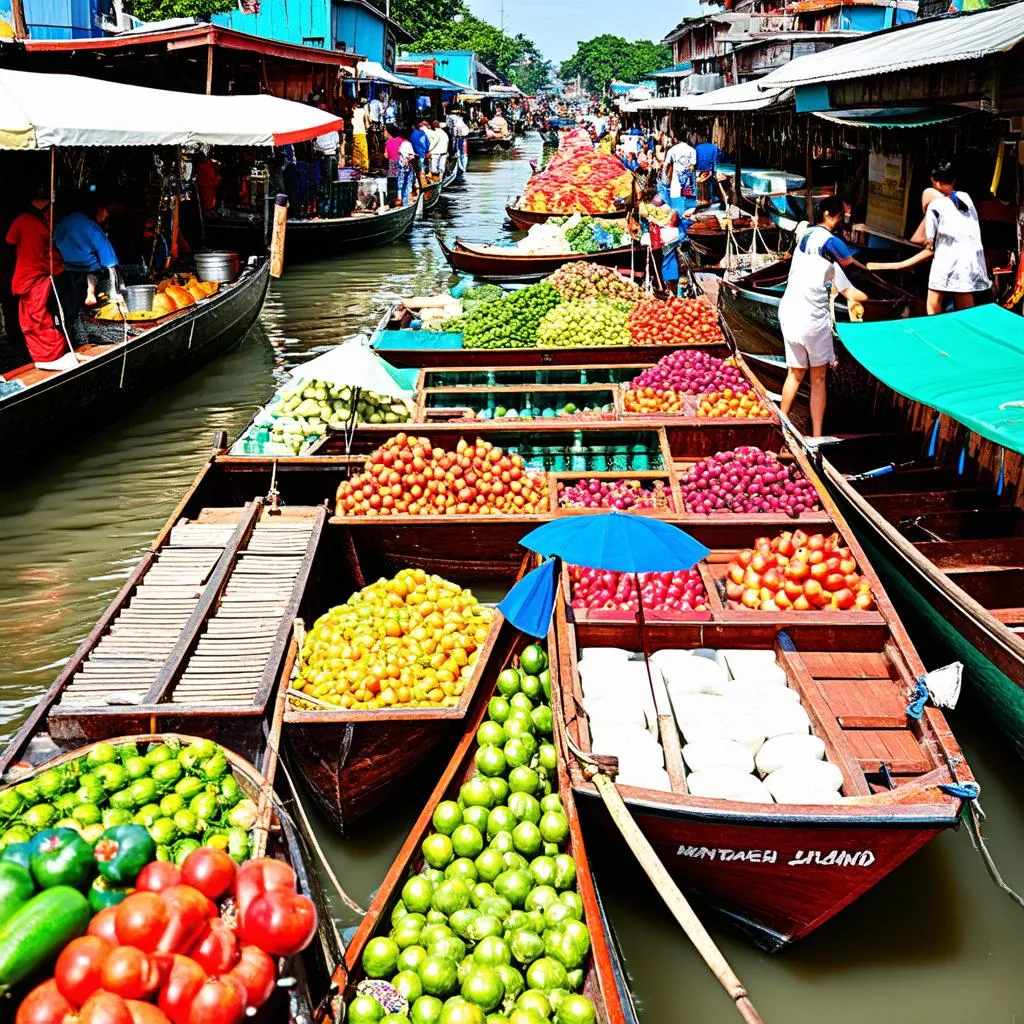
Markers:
point(87, 255)
point(805, 315)
point(678, 173)
point(439, 145)
point(207, 176)
point(327, 147)
point(35, 262)
point(360, 126)
point(951, 234)
point(664, 231)
point(706, 157)
point(458, 131)
point(498, 126)
point(420, 141)
point(401, 157)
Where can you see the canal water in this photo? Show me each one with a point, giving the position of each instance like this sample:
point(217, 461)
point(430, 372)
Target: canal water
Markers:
point(934, 942)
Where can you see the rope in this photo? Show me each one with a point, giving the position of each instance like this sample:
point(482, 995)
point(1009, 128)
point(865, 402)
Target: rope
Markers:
point(915, 709)
point(974, 819)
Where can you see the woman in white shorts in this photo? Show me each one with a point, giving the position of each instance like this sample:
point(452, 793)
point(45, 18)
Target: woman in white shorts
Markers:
point(805, 313)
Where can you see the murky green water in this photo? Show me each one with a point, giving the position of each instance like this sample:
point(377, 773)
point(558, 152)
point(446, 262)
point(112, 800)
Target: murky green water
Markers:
point(934, 942)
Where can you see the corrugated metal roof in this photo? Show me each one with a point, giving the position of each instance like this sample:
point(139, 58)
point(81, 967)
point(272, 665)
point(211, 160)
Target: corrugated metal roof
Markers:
point(733, 98)
point(683, 68)
point(957, 37)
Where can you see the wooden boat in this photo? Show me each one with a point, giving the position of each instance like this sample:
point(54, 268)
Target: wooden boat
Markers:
point(123, 365)
point(755, 298)
point(604, 975)
point(431, 194)
point(779, 871)
point(709, 238)
point(452, 171)
point(491, 266)
point(315, 237)
point(480, 143)
point(523, 220)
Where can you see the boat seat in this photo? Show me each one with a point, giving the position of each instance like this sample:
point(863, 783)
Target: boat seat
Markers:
point(963, 524)
point(897, 505)
point(1012, 617)
point(898, 749)
point(866, 703)
point(986, 553)
point(915, 479)
point(992, 588)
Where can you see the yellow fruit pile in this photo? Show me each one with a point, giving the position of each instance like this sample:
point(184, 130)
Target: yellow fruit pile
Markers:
point(411, 641)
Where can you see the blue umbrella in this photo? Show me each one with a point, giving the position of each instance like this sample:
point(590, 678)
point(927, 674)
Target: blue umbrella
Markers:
point(617, 542)
point(530, 603)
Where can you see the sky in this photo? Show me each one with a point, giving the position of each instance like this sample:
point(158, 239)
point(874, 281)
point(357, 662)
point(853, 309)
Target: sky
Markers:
point(557, 25)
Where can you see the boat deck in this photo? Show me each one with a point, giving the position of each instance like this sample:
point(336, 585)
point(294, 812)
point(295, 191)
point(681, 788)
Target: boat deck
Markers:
point(29, 374)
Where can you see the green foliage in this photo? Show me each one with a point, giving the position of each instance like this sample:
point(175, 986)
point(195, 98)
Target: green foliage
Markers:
point(157, 10)
point(418, 17)
point(600, 60)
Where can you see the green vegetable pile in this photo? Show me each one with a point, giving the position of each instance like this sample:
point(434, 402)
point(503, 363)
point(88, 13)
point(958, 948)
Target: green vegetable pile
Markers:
point(481, 293)
point(509, 322)
point(184, 796)
point(491, 930)
point(593, 235)
point(586, 322)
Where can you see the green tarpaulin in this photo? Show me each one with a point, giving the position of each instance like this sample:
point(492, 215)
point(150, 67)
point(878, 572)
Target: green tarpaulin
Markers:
point(969, 365)
point(385, 340)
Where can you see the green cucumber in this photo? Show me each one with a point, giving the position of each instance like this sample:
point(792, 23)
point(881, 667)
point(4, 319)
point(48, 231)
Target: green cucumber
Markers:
point(16, 889)
point(39, 930)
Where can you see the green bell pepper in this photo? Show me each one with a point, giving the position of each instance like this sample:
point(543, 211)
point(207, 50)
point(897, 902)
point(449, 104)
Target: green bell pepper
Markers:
point(103, 894)
point(122, 852)
point(63, 858)
point(17, 853)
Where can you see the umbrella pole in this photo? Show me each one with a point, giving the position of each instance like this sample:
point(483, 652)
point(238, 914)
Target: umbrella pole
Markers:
point(641, 619)
point(350, 424)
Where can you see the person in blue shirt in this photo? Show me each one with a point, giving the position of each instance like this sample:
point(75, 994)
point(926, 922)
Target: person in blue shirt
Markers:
point(87, 253)
point(421, 147)
point(706, 164)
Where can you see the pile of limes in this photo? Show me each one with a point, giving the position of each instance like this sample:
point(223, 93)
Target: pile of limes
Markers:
point(491, 930)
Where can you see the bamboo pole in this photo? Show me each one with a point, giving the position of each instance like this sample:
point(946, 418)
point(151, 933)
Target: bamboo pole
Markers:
point(277, 237)
point(674, 899)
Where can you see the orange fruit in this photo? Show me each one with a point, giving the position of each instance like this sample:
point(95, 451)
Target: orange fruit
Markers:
point(163, 304)
point(180, 295)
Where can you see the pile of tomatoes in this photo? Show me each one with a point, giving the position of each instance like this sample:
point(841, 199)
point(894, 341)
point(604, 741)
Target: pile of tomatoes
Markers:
point(407, 475)
point(675, 322)
point(578, 181)
point(798, 572)
point(168, 954)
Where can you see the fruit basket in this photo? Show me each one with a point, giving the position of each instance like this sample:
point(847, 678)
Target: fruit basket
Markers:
point(486, 404)
point(529, 376)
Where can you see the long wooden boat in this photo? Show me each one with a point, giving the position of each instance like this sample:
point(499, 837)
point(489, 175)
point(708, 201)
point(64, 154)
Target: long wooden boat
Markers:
point(480, 143)
point(709, 238)
point(123, 365)
point(452, 171)
point(314, 237)
point(491, 266)
point(779, 871)
point(604, 976)
point(431, 194)
point(755, 299)
point(523, 220)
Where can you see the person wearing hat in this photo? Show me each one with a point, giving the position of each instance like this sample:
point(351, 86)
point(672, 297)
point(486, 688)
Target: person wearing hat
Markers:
point(36, 259)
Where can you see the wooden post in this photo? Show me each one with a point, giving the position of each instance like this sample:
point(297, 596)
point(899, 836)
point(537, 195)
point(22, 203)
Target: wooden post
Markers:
point(809, 175)
point(277, 239)
point(18, 17)
point(737, 188)
point(209, 70)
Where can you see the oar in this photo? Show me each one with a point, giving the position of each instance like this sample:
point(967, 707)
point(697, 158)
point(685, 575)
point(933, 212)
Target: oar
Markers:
point(674, 899)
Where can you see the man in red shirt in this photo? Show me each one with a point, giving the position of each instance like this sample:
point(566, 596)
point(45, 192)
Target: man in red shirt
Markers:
point(29, 233)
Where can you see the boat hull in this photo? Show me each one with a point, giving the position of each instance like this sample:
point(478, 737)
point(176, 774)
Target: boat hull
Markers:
point(525, 219)
point(70, 404)
point(489, 146)
point(494, 267)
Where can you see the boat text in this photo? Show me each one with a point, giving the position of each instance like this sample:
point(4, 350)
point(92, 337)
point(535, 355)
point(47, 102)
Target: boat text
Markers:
point(803, 858)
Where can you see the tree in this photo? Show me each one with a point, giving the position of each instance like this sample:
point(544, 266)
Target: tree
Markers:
point(500, 52)
point(600, 60)
point(158, 10)
point(418, 17)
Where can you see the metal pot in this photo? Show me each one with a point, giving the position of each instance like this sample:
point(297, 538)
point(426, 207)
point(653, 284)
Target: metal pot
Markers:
point(139, 297)
point(217, 266)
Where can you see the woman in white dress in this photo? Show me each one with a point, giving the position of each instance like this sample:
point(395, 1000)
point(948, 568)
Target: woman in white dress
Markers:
point(951, 234)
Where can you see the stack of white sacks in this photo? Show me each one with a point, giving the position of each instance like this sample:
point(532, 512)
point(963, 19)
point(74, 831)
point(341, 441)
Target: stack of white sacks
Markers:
point(623, 721)
point(746, 736)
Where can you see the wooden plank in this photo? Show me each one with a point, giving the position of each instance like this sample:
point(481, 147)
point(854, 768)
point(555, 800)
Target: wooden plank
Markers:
point(895, 748)
point(866, 703)
point(848, 665)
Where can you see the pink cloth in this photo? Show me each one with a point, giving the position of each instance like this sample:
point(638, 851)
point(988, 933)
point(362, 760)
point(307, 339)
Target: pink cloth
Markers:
point(393, 147)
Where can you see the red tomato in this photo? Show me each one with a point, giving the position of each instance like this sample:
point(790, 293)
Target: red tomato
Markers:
point(141, 920)
point(45, 1005)
point(261, 875)
point(188, 910)
point(280, 923)
point(146, 1013)
point(210, 871)
point(158, 876)
point(255, 970)
point(103, 925)
point(216, 949)
point(184, 980)
point(218, 1001)
point(77, 971)
point(129, 973)
point(104, 1008)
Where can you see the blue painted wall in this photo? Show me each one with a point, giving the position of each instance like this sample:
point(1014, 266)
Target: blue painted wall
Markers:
point(358, 31)
point(455, 65)
point(873, 19)
point(65, 19)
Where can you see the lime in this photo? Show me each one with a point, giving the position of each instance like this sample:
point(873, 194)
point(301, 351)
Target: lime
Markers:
point(437, 975)
point(557, 913)
point(409, 984)
point(508, 682)
point(417, 894)
point(365, 1010)
point(451, 948)
point(541, 897)
point(462, 920)
point(526, 945)
point(501, 819)
point(426, 1010)
point(463, 868)
point(574, 900)
point(447, 817)
point(533, 659)
point(532, 688)
point(433, 932)
point(543, 870)
point(481, 891)
point(467, 841)
point(485, 925)
point(496, 906)
point(576, 1009)
point(523, 780)
point(535, 919)
point(514, 886)
point(490, 760)
point(525, 807)
point(535, 1000)
point(527, 838)
point(502, 842)
point(499, 787)
point(527, 1017)
point(552, 802)
point(545, 682)
point(477, 816)
point(565, 872)
point(490, 733)
point(451, 895)
point(380, 957)
point(435, 916)
point(512, 980)
point(546, 973)
point(460, 1012)
point(492, 951)
point(476, 793)
point(579, 932)
point(437, 850)
point(433, 875)
point(489, 864)
point(411, 957)
point(561, 946)
point(516, 752)
point(484, 987)
point(407, 932)
point(497, 709)
point(554, 827)
point(518, 722)
point(548, 757)
point(551, 849)
point(542, 720)
point(395, 1018)
point(520, 702)
point(515, 861)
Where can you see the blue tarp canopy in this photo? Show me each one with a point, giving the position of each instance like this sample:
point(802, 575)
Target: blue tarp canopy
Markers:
point(969, 365)
point(429, 83)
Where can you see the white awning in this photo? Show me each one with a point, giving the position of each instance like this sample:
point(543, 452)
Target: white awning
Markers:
point(731, 99)
point(38, 111)
point(955, 37)
point(375, 71)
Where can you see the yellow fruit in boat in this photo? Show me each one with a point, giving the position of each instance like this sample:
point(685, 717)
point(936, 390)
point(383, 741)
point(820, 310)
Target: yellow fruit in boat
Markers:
point(196, 290)
point(180, 295)
point(163, 303)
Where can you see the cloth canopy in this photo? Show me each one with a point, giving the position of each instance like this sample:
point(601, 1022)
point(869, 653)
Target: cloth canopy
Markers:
point(891, 117)
point(38, 111)
point(356, 365)
point(969, 365)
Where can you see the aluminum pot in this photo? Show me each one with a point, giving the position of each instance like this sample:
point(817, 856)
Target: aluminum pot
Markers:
point(217, 266)
point(139, 297)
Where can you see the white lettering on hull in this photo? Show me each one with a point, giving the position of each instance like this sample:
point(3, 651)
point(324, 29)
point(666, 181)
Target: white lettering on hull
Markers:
point(803, 858)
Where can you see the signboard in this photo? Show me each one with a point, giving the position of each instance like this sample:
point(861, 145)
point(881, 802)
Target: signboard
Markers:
point(888, 193)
